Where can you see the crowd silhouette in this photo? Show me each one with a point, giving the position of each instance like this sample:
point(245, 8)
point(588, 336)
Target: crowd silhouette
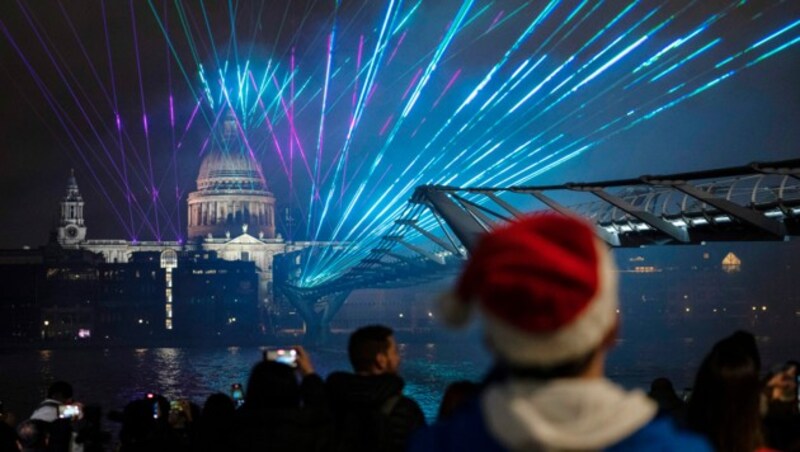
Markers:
point(732, 405)
point(547, 291)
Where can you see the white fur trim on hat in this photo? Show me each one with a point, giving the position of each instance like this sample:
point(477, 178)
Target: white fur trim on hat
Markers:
point(572, 341)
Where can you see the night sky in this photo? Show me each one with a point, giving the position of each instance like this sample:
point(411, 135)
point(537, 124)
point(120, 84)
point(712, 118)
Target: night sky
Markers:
point(753, 115)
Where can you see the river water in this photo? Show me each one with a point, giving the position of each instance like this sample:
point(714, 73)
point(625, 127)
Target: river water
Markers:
point(112, 377)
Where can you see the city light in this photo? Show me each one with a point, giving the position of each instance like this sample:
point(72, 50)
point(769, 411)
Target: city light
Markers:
point(383, 100)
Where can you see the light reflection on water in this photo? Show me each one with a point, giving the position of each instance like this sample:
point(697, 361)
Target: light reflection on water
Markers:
point(113, 377)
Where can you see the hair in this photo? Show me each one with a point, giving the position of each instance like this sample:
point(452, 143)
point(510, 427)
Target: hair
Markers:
point(663, 392)
point(456, 395)
point(272, 385)
point(32, 434)
point(218, 406)
point(569, 369)
point(365, 344)
point(59, 390)
point(217, 423)
point(725, 401)
point(137, 421)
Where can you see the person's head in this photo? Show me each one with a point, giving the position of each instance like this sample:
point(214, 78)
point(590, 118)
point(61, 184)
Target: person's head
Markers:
point(272, 385)
point(61, 391)
point(781, 383)
point(373, 351)
point(547, 289)
point(141, 419)
point(725, 402)
point(32, 435)
point(219, 407)
point(456, 396)
point(662, 385)
point(663, 392)
point(792, 370)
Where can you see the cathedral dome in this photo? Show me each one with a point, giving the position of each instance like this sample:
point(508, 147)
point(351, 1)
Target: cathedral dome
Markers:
point(233, 170)
point(231, 191)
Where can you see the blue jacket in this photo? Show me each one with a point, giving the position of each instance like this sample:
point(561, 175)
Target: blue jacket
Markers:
point(466, 431)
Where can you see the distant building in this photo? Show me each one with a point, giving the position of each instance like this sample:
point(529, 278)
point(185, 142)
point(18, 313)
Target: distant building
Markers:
point(232, 215)
point(48, 292)
point(731, 263)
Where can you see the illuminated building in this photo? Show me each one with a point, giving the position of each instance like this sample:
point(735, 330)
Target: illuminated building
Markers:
point(731, 263)
point(231, 192)
point(231, 214)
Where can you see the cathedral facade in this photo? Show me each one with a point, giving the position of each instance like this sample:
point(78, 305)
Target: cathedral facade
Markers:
point(231, 213)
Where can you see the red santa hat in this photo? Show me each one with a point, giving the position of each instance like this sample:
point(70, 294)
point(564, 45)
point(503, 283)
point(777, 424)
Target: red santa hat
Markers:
point(546, 286)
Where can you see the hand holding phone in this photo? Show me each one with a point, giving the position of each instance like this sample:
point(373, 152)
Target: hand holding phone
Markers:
point(237, 394)
point(176, 406)
point(71, 411)
point(286, 356)
point(304, 364)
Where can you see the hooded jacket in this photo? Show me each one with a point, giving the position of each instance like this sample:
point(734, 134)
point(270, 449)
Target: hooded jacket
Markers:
point(560, 415)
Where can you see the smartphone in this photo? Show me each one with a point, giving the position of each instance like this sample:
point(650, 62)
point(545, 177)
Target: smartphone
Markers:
point(237, 394)
point(156, 408)
point(69, 411)
point(175, 406)
point(286, 356)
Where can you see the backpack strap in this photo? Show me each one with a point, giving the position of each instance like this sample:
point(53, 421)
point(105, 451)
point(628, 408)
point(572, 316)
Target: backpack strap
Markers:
point(49, 403)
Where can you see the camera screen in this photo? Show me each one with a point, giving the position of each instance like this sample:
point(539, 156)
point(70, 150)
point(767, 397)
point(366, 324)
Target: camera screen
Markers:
point(283, 356)
point(237, 393)
point(69, 411)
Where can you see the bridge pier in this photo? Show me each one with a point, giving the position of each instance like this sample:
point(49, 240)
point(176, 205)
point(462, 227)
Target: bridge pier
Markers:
point(317, 313)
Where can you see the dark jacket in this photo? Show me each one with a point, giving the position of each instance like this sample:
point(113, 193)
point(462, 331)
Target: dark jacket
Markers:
point(8, 437)
point(305, 427)
point(371, 413)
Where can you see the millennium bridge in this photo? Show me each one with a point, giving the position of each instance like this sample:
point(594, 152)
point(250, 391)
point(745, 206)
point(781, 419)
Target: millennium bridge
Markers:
point(440, 225)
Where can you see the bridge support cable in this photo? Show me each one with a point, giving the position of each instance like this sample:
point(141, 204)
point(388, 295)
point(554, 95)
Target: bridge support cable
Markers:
point(463, 225)
point(461, 250)
point(611, 238)
point(419, 250)
point(447, 246)
point(509, 208)
point(481, 211)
